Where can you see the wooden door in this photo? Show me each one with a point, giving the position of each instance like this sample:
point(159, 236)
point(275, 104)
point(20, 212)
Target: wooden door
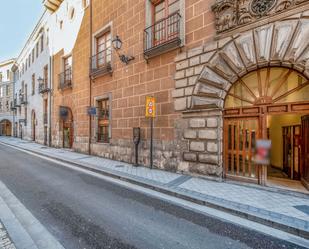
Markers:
point(305, 151)
point(240, 136)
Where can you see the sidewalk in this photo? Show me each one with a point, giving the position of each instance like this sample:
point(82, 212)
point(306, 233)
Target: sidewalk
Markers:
point(5, 240)
point(279, 209)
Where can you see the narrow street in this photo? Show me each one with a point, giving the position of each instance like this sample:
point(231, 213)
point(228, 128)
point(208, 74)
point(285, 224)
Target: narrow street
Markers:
point(82, 211)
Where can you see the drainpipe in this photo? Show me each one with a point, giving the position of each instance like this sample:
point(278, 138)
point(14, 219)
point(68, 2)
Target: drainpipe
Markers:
point(51, 69)
point(90, 92)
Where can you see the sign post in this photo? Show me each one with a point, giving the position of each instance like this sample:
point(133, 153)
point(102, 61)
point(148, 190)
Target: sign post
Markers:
point(151, 113)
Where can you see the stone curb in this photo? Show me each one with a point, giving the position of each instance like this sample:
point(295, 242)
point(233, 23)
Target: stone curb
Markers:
point(277, 221)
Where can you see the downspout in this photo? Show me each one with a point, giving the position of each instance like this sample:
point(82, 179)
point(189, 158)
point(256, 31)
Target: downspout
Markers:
point(51, 69)
point(90, 65)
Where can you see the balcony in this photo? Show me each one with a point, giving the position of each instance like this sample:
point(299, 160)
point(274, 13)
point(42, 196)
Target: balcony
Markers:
point(52, 5)
point(13, 107)
point(65, 79)
point(162, 36)
point(100, 63)
point(15, 102)
point(43, 87)
point(22, 99)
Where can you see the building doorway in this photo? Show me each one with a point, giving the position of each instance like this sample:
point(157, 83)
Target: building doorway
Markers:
point(67, 127)
point(269, 103)
point(5, 128)
point(285, 169)
point(33, 126)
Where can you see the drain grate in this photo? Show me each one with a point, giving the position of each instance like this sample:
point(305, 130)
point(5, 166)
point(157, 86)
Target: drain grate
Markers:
point(303, 208)
point(43, 147)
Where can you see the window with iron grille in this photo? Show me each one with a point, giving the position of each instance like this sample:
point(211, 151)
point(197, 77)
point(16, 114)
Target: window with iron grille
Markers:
point(103, 108)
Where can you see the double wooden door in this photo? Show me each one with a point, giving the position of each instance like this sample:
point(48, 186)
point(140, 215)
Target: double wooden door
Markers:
point(240, 138)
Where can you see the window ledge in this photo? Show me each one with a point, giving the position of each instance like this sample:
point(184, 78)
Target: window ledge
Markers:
point(101, 71)
point(162, 48)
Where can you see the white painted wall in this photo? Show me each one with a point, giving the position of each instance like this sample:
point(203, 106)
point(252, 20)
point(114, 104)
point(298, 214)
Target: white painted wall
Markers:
point(55, 39)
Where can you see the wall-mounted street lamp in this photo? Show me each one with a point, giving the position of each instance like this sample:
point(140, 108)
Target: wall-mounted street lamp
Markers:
point(117, 44)
point(41, 81)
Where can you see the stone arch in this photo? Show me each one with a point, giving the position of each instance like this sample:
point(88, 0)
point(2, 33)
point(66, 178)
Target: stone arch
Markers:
point(284, 43)
point(205, 74)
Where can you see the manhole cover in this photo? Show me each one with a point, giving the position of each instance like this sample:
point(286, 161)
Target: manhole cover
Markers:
point(303, 208)
point(119, 166)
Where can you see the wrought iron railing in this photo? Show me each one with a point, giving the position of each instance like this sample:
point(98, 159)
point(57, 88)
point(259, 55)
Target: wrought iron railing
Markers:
point(22, 99)
point(43, 87)
point(162, 32)
point(100, 63)
point(65, 79)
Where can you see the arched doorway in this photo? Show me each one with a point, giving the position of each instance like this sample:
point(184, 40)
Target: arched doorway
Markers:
point(5, 128)
point(66, 116)
point(269, 103)
point(33, 125)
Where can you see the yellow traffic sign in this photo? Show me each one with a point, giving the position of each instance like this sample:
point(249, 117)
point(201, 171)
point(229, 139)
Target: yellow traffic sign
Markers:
point(150, 107)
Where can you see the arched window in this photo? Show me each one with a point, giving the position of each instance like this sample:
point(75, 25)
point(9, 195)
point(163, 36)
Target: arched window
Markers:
point(268, 86)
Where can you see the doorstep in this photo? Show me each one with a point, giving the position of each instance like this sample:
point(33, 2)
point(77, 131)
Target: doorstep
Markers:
point(280, 209)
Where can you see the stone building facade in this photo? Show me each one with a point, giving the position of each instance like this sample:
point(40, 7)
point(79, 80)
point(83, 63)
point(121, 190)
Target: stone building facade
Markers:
point(124, 87)
point(6, 97)
point(251, 36)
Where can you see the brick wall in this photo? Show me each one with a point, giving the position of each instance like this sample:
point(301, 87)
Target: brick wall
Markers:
point(129, 85)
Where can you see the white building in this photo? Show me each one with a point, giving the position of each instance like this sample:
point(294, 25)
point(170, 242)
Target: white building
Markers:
point(6, 97)
point(56, 31)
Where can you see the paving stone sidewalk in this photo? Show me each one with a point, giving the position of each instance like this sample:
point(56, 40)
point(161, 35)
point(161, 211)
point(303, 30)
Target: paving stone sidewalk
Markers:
point(5, 240)
point(283, 210)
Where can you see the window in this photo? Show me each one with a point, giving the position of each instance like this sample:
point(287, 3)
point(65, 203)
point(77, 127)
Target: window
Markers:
point(61, 24)
point(7, 105)
point(45, 73)
point(165, 26)
point(8, 74)
point(33, 84)
point(29, 60)
point(164, 30)
point(32, 55)
point(1, 92)
point(103, 120)
point(42, 43)
point(71, 13)
point(0, 106)
point(37, 49)
point(103, 49)
point(0, 77)
point(7, 90)
point(67, 66)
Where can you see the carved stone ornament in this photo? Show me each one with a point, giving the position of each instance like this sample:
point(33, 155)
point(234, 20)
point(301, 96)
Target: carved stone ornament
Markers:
point(234, 13)
point(261, 7)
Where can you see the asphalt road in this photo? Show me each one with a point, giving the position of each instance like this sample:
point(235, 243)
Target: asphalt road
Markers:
point(83, 211)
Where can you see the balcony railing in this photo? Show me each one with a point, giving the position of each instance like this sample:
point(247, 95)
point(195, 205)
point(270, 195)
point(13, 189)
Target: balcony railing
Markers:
point(22, 99)
point(65, 79)
point(162, 36)
point(45, 118)
point(43, 87)
point(100, 63)
point(12, 106)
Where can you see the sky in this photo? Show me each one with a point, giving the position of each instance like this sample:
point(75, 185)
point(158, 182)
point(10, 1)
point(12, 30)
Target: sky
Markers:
point(17, 20)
